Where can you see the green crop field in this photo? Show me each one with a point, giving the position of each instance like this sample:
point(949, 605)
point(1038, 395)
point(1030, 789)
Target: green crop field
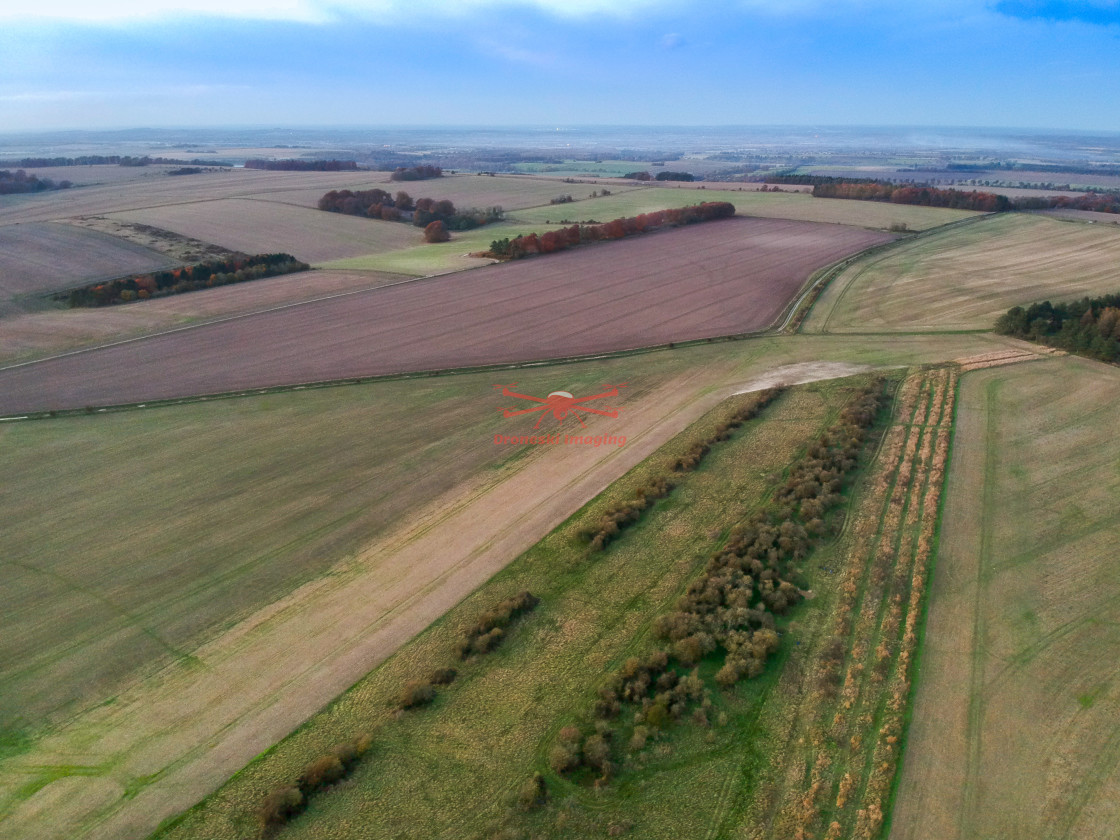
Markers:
point(748, 202)
point(1015, 730)
point(965, 277)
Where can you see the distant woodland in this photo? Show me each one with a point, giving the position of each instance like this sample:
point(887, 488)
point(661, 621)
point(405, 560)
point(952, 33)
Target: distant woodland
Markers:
point(302, 165)
point(20, 182)
point(187, 279)
point(570, 237)
point(1088, 327)
point(416, 173)
point(379, 204)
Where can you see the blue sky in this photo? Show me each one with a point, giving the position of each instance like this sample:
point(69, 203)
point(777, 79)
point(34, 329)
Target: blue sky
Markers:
point(1000, 63)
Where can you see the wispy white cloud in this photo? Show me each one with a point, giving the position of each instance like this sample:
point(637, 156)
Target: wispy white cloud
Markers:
point(309, 11)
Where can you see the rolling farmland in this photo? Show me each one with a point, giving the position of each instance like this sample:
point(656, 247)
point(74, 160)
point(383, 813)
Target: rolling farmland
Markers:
point(1014, 731)
point(966, 277)
point(726, 277)
point(154, 559)
point(262, 227)
point(39, 258)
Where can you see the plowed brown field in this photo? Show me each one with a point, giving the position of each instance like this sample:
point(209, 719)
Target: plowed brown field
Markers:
point(724, 277)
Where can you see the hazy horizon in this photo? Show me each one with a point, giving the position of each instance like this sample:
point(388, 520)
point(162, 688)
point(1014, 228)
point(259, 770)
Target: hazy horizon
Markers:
point(997, 64)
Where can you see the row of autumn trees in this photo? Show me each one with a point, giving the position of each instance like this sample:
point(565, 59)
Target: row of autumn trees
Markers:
point(1089, 327)
point(379, 204)
point(728, 612)
point(20, 182)
point(570, 237)
point(187, 279)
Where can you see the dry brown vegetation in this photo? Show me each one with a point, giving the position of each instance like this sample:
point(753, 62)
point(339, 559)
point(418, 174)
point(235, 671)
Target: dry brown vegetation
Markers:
point(839, 721)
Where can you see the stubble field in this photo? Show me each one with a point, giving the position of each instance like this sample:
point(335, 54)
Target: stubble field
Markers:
point(1014, 729)
point(966, 277)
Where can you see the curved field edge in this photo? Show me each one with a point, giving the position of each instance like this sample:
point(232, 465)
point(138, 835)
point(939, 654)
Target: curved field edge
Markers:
point(964, 275)
point(1021, 622)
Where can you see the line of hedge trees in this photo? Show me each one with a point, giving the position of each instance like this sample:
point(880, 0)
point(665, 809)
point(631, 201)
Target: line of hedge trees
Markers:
point(730, 610)
point(379, 204)
point(294, 165)
point(118, 160)
point(187, 279)
point(1088, 327)
point(569, 237)
point(869, 189)
point(12, 183)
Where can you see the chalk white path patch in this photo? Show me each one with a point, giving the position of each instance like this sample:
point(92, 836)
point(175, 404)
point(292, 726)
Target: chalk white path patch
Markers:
point(803, 372)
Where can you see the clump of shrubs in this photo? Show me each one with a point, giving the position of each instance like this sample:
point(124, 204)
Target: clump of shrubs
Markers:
point(443, 676)
point(533, 794)
point(730, 609)
point(416, 693)
point(286, 801)
point(488, 632)
point(620, 514)
point(692, 458)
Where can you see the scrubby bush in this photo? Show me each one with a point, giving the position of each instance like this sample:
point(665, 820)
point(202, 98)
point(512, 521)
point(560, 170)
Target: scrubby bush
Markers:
point(443, 676)
point(279, 806)
point(416, 693)
point(488, 632)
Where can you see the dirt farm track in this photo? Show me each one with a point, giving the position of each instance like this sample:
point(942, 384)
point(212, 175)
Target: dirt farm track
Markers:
point(719, 278)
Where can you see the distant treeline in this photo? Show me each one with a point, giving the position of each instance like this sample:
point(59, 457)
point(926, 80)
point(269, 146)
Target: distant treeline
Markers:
point(661, 176)
point(20, 182)
point(1086, 327)
point(379, 204)
point(119, 160)
point(570, 237)
point(416, 173)
point(1034, 167)
point(187, 279)
point(868, 189)
point(292, 165)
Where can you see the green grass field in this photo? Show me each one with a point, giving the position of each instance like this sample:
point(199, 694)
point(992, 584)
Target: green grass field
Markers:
point(440, 258)
point(965, 277)
point(176, 521)
point(449, 770)
point(1015, 719)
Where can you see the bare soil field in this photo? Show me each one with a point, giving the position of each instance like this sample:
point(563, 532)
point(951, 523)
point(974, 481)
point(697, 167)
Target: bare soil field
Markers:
point(263, 227)
point(1014, 729)
point(966, 277)
point(720, 278)
point(153, 192)
point(49, 257)
point(28, 335)
point(95, 174)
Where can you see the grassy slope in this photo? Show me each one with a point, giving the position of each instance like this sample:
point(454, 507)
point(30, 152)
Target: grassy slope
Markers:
point(448, 770)
point(1014, 730)
point(965, 277)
